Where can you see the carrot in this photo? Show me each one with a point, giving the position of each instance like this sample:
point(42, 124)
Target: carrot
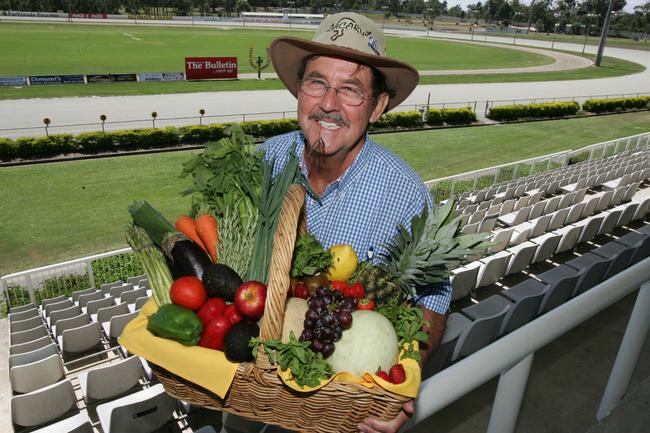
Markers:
point(206, 227)
point(186, 225)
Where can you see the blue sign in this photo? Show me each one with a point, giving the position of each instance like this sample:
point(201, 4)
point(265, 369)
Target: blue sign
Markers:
point(13, 81)
point(39, 80)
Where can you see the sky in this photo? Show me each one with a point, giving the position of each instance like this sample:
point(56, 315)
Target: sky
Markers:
point(464, 3)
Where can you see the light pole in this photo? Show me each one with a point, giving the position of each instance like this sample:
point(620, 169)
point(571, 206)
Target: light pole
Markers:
point(514, 17)
point(603, 35)
point(290, 8)
point(383, 23)
point(556, 27)
point(429, 21)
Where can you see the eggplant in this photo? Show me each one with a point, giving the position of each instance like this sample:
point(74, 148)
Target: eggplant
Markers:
point(186, 257)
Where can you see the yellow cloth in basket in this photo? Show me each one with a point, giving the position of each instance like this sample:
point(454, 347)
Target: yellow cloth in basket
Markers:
point(205, 367)
point(409, 388)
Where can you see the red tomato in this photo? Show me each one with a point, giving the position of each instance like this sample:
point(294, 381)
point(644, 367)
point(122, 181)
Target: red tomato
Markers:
point(301, 291)
point(188, 292)
point(214, 333)
point(339, 285)
point(357, 291)
point(214, 307)
point(365, 304)
point(232, 314)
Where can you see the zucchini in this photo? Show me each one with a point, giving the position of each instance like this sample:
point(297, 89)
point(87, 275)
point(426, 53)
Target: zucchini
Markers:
point(153, 222)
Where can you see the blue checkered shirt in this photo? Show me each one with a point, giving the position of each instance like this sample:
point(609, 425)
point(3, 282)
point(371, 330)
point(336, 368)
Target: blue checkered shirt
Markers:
point(365, 205)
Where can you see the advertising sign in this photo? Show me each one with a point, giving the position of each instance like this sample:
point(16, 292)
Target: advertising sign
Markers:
point(13, 81)
point(78, 15)
point(173, 76)
point(38, 80)
point(210, 68)
point(111, 78)
point(150, 76)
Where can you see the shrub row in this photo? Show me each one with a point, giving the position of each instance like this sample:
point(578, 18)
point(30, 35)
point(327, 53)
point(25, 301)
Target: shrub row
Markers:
point(450, 116)
point(531, 111)
point(433, 117)
point(616, 104)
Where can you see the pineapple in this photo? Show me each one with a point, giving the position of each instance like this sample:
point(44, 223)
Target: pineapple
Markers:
point(421, 257)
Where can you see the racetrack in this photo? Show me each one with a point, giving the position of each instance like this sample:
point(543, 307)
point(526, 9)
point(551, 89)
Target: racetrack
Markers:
point(179, 109)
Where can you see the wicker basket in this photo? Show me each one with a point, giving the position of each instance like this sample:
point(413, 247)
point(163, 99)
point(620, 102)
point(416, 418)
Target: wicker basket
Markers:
point(257, 392)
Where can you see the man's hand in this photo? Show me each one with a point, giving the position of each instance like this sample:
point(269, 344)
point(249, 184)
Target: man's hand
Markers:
point(373, 425)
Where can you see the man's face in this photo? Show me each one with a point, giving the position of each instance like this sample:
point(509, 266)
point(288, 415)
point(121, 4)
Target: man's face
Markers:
point(331, 127)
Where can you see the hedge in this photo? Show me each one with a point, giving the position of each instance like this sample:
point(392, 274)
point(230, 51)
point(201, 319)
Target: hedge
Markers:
point(533, 111)
point(616, 104)
point(450, 116)
point(147, 138)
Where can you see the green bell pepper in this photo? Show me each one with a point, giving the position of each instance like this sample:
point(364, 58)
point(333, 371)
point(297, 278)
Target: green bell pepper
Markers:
point(176, 323)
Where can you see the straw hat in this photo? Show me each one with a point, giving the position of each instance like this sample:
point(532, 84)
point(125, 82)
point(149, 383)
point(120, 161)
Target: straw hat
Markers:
point(351, 36)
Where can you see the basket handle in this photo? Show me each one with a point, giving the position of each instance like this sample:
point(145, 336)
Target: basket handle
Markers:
point(283, 244)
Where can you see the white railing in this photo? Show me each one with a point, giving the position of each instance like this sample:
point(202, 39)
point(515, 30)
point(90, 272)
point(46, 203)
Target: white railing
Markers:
point(511, 356)
point(53, 279)
point(444, 187)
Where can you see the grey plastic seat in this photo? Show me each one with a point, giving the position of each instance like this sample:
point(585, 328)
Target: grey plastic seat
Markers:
point(548, 243)
point(442, 356)
point(77, 293)
point(610, 221)
point(140, 302)
point(500, 239)
point(72, 322)
point(516, 217)
point(488, 224)
point(111, 380)
point(557, 219)
point(617, 197)
point(640, 242)
point(565, 201)
point(629, 209)
point(616, 183)
point(522, 302)
point(113, 328)
point(603, 202)
point(29, 335)
point(521, 202)
point(507, 207)
point(66, 313)
point(106, 288)
point(520, 234)
point(551, 205)
point(92, 296)
point(522, 256)
point(570, 235)
point(539, 226)
point(43, 405)
point(135, 279)
point(477, 216)
point(630, 191)
point(105, 314)
point(590, 206)
point(642, 210)
point(25, 325)
point(562, 281)
point(38, 374)
point(93, 306)
point(54, 300)
point(475, 334)
point(116, 292)
point(81, 339)
point(56, 306)
point(463, 280)
point(537, 210)
point(579, 196)
point(19, 348)
point(619, 254)
point(591, 269)
point(130, 296)
point(575, 213)
point(19, 316)
point(493, 268)
point(79, 423)
point(33, 355)
point(590, 227)
point(144, 411)
point(22, 308)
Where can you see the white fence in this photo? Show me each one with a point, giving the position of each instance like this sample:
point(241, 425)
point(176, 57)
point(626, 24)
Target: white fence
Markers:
point(444, 187)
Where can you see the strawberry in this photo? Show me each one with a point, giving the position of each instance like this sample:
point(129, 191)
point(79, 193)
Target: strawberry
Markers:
point(365, 304)
point(341, 286)
point(397, 374)
point(383, 375)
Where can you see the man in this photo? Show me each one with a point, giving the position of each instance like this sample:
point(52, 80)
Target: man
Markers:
point(343, 82)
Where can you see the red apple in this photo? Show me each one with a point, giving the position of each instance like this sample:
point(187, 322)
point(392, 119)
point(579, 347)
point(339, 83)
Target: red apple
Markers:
point(250, 298)
point(214, 333)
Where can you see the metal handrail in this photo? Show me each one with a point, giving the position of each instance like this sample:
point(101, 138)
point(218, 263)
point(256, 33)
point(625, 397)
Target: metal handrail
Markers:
point(512, 354)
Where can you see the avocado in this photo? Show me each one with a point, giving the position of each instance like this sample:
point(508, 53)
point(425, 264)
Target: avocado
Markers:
point(235, 344)
point(221, 281)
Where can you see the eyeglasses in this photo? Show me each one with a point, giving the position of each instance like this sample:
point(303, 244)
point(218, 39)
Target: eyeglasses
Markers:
point(347, 95)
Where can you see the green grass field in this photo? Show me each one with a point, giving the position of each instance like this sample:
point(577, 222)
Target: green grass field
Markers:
point(28, 49)
point(65, 210)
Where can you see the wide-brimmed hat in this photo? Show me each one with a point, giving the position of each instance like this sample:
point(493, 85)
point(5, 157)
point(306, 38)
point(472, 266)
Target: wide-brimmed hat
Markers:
point(351, 36)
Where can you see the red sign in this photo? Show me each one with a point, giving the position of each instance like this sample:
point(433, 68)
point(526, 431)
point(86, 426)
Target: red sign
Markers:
point(208, 68)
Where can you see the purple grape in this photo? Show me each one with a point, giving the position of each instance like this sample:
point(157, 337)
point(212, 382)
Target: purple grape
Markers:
point(327, 299)
point(345, 319)
point(307, 335)
point(309, 323)
point(311, 314)
point(326, 333)
point(317, 345)
point(327, 350)
point(337, 335)
point(321, 291)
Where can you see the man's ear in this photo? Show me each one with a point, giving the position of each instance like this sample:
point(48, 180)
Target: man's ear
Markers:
point(380, 106)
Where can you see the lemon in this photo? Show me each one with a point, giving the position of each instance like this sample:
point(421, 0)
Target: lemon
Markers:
point(344, 262)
